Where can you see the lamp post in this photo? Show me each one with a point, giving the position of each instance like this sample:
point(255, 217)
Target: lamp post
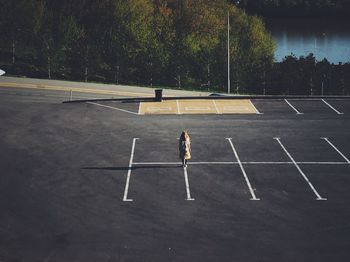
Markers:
point(228, 53)
point(322, 87)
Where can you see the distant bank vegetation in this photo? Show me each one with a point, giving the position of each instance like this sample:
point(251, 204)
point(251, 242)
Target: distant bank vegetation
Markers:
point(297, 8)
point(176, 43)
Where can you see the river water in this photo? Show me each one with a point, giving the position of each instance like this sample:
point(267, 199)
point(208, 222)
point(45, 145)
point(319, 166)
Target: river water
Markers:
point(324, 38)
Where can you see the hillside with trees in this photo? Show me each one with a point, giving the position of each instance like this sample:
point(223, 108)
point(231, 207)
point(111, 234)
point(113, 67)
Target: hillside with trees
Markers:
point(173, 43)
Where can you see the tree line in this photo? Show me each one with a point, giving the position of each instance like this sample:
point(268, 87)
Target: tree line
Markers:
point(297, 8)
point(305, 76)
point(174, 43)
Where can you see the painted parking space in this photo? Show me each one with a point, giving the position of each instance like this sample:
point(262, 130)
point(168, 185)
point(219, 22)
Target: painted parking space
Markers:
point(291, 161)
point(242, 106)
point(302, 107)
point(197, 107)
point(201, 106)
point(341, 105)
point(168, 107)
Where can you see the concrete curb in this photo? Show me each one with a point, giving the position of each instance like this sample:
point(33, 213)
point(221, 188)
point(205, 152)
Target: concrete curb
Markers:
point(224, 97)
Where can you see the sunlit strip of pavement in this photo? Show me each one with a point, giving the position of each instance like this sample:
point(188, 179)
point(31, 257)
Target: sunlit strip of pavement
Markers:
point(73, 89)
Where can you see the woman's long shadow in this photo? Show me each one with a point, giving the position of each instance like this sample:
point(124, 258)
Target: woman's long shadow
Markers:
point(133, 167)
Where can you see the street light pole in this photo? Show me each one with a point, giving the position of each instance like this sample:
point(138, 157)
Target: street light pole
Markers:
point(228, 53)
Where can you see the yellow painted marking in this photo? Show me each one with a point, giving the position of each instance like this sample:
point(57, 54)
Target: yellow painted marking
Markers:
point(152, 109)
point(178, 107)
point(167, 107)
point(202, 106)
point(233, 108)
point(241, 106)
point(216, 107)
point(197, 108)
point(74, 89)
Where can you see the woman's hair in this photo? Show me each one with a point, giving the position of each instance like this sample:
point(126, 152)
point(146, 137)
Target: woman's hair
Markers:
point(184, 135)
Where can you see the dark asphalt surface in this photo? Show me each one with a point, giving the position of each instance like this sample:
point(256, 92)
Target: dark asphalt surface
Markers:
point(44, 95)
point(64, 168)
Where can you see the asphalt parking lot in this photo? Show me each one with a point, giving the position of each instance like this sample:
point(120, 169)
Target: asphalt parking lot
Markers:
point(85, 182)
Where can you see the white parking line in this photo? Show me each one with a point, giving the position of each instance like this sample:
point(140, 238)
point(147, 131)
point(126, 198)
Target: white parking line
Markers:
point(243, 171)
point(322, 163)
point(197, 108)
point(179, 163)
point(178, 107)
point(336, 149)
point(300, 171)
point(234, 108)
point(298, 113)
point(257, 111)
point(111, 107)
point(216, 107)
point(188, 192)
point(125, 198)
point(139, 112)
point(335, 110)
point(155, 109)
point(236, 163)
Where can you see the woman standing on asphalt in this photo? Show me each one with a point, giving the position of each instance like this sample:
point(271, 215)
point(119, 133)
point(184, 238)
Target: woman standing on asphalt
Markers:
point(185, 148)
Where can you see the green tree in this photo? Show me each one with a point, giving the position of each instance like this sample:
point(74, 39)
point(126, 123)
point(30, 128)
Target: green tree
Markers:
point(16, 30)
point(252, 49)
point(206, 25)
point(168, 42)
